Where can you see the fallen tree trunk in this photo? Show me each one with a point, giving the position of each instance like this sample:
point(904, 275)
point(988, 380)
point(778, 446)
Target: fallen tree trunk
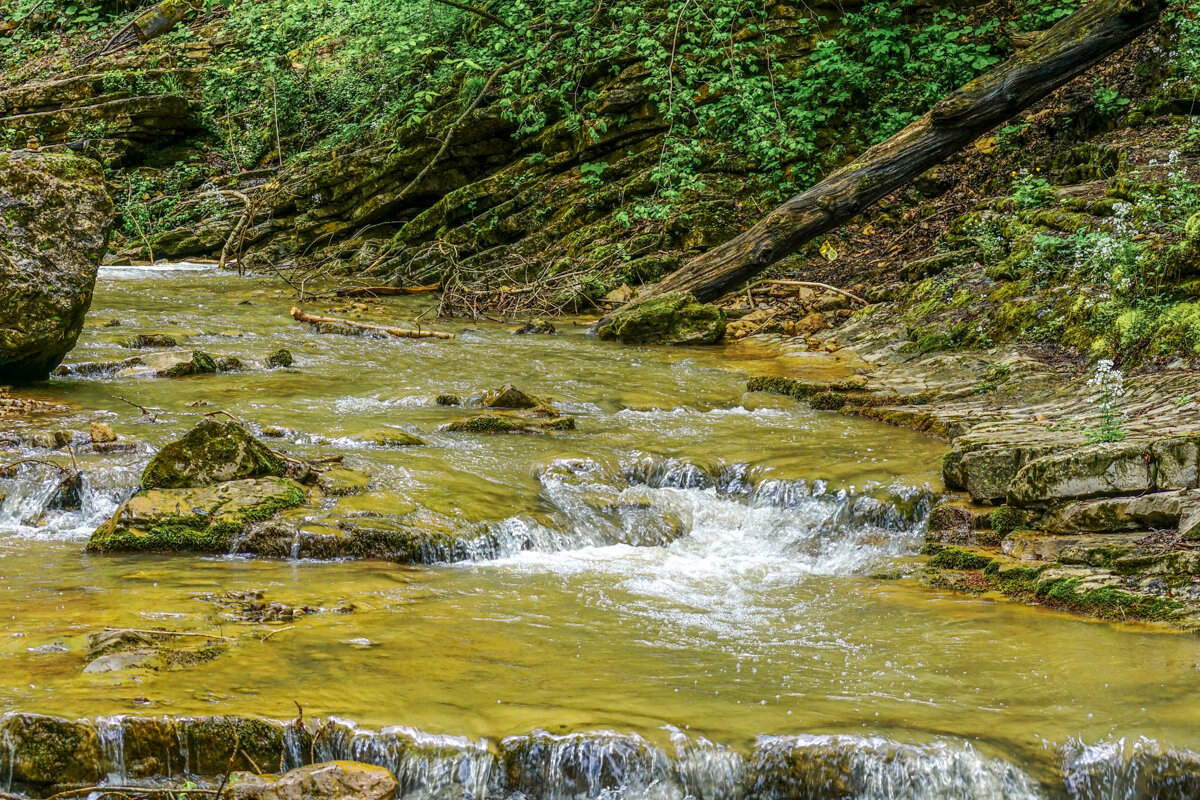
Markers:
point(160, 19)
point(1069, 48)
point(348, 328)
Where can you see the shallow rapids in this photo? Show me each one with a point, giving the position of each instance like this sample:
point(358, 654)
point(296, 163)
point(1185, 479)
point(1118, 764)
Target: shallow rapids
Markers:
point(711, 572)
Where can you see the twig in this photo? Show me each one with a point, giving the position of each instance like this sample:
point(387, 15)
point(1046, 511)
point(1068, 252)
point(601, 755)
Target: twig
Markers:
point(171, 633)
point(145, 412)
point(41, 461)
point(277, 630)
point(226, 413)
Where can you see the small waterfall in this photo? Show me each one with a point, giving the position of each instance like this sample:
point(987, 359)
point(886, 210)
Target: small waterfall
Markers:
point(599, 765)
point(707, 770)
point(604, 765)
point(111, 733)
point(1120, 770)
point(426, 767)
point(654, 502)
point(872, 768)
point(37, 503)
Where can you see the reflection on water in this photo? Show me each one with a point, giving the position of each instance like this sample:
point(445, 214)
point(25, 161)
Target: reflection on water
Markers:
point(692, 566)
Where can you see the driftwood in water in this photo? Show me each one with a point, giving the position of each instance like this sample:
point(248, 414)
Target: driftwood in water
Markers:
point(1069, 48)
point(348, 328)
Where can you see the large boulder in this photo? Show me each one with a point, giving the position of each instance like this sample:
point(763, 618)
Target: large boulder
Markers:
point(199, 520)
point(671, 318)
point(333, 780)
point(214, 450)
point(55, 218)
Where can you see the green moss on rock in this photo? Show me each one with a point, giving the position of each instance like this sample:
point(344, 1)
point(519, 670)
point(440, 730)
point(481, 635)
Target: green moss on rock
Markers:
point(200, 520)
point(213, 451)
point(1007, 519)
point(671, 318)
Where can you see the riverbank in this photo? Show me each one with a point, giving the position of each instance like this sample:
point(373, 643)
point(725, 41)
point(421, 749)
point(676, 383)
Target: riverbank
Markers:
point(1042, 509)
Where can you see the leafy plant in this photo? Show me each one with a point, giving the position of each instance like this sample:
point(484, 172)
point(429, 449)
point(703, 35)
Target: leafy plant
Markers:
point(1032, 191)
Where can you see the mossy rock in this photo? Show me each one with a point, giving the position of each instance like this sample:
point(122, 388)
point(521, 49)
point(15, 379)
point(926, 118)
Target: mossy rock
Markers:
point(148, 340)
point(1006, 519)
point(214, 450)
point(671, 318)
point(45, 751)
point(201, 363)
point(199, 520)
point(392, 437)
point(507, 423)
point(827, 401)
point(217, 744)
point(281, 358)
point(54, 226)
point(507, 396)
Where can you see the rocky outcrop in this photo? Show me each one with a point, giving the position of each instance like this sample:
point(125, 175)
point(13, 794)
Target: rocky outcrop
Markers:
point(55, 218)
point(108, 114)
point(672, 318)
point(213, 451)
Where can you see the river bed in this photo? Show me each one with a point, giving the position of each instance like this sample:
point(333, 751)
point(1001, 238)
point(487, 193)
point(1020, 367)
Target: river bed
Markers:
point(774, 614)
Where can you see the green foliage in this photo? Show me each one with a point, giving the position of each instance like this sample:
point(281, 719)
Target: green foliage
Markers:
point(1033, 191)
point(1109, 102)
point(1041, 14)
point(727, 87)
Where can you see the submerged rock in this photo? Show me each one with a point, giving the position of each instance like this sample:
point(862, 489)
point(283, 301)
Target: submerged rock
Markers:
point(391, 437)
point(53, 232)
point(536, 326)
point(507, 423)
point(118, 649)
point(201, 520)
point(214, 450)
point(334, 780)
point(672, 318)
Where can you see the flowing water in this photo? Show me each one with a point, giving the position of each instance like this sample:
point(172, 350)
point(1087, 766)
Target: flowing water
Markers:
point(692, 590)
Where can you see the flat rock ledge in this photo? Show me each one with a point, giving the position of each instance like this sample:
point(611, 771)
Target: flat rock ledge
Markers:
point(1039, 511)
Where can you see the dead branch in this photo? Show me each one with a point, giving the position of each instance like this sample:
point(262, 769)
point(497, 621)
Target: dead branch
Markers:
point(811, 284)
point(349, 328)
point(381, 291)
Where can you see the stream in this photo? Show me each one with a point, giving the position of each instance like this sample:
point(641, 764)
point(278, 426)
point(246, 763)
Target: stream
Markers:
point(738, 607)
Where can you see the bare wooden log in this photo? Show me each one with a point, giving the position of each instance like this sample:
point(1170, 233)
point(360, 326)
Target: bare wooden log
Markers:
point(1076, 43)
point(333, 324)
